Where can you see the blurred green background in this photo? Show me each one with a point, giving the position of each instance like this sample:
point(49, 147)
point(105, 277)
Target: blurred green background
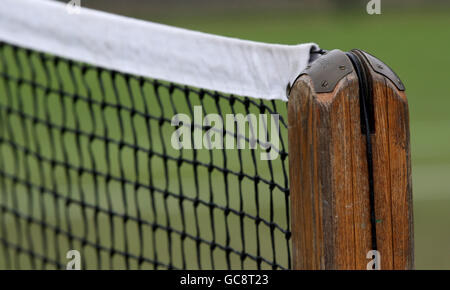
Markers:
point(413, 37)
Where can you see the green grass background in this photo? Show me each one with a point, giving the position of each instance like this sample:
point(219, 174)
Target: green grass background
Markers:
point(414, 42)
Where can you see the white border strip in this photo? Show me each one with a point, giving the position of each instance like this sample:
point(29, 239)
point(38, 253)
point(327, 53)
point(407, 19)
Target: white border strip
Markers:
point(229, 65)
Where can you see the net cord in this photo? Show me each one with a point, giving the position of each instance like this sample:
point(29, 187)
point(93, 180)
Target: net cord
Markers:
point(153, 50)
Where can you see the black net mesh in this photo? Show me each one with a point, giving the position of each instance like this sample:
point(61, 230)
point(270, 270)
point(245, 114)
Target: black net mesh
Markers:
point(86, 163)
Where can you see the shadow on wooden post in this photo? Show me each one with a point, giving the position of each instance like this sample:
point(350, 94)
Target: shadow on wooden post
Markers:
point(350, 192)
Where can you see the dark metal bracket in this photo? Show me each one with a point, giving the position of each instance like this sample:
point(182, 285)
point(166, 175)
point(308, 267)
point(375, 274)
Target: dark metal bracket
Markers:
point(382, 68)
point(327, 70)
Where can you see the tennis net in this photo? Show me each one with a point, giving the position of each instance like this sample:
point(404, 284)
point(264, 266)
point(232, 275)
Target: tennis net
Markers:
point(87, 164)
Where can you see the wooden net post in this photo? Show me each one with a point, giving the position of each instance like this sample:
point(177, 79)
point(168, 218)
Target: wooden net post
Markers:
point(350, 166)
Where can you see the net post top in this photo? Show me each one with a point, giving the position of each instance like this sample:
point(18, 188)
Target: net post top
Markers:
point(327, 68)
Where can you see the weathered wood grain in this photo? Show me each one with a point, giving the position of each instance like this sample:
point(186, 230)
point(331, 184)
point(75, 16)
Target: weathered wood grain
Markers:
point(330, 205)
